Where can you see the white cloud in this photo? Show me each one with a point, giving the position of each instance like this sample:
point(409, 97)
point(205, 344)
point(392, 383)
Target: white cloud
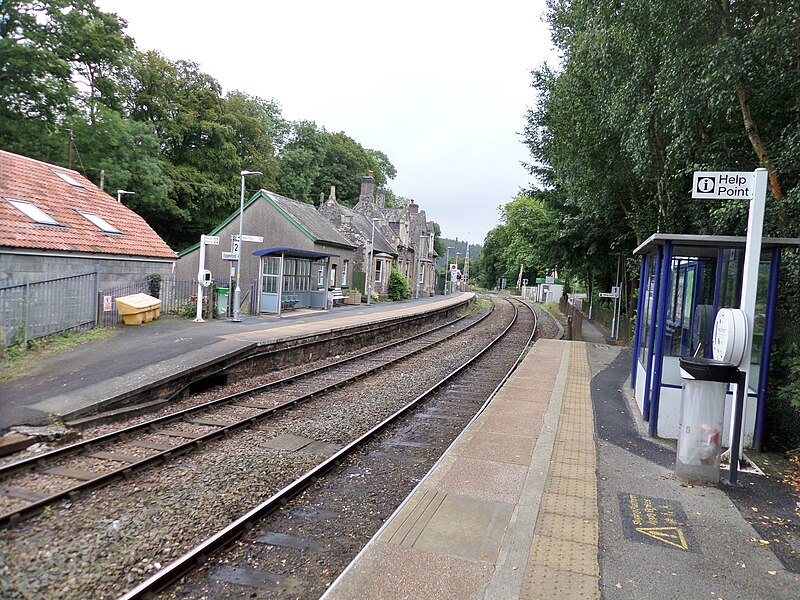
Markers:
point(440, 86)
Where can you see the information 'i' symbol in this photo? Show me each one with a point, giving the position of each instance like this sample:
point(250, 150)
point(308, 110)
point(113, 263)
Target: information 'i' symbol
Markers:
point(705, 185)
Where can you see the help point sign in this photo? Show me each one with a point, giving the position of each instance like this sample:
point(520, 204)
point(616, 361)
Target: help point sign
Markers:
point(721, 185)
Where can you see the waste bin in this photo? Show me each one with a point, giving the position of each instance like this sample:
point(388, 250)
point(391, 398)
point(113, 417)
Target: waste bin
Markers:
point(223, 294)
point(702, 413)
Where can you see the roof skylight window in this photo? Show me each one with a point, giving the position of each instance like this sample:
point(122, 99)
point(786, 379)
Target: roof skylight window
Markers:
point(34, 213)
point(66, 177)
point(100, 222)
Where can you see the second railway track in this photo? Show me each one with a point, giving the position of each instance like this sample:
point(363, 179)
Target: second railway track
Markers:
point(116, 537)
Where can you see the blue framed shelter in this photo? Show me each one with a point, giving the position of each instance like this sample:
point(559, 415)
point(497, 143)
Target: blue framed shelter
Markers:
point(684, 280)
point(293, 278)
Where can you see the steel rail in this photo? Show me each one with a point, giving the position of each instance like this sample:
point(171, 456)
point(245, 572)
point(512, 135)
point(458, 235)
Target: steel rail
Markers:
point(13, 517)
point(200, 554)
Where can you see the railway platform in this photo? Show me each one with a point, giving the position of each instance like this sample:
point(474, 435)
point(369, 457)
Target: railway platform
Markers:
point(551, 492)
point(97, 372)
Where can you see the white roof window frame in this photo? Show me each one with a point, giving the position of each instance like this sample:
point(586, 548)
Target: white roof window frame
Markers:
point(33, 212)
point(67, 178)
point(99, 222)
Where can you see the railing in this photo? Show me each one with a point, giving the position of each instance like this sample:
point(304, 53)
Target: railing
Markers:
point(31, 310)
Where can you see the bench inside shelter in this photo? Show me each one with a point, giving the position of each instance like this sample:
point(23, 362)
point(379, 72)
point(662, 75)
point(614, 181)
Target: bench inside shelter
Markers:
point(289, 302)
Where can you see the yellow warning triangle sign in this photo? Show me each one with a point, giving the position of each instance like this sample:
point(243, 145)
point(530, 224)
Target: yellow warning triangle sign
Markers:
point(669, 535)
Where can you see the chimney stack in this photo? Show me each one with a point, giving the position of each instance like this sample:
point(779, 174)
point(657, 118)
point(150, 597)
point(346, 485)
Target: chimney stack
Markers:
point(413, 208)
point(368, 188)
point(333, 194)
point(380, 197)
point(321, 199)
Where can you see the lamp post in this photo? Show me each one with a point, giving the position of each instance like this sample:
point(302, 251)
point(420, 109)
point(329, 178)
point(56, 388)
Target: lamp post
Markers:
point(370, 269)
point(457, 255)
point(120, 193)
point(466, 266)
point(447, 271)
point(238, 291)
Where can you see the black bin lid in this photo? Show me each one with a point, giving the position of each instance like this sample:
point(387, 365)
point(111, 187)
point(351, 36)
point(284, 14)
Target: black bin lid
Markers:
point(708, 369)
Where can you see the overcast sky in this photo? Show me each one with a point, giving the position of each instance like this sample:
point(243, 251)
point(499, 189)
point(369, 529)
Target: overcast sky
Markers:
point(440, 86)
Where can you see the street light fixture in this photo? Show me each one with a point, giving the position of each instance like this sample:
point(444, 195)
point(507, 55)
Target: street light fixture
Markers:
point(447, 272)
point(371, 270)
point(119, 195)
point(238, 291)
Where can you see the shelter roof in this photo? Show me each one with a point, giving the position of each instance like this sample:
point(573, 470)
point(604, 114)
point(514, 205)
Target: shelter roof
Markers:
point(292, 252)
point(701, 245)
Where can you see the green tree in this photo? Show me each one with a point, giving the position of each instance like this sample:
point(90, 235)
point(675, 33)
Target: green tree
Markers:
point(399, 289)
point(45, 47)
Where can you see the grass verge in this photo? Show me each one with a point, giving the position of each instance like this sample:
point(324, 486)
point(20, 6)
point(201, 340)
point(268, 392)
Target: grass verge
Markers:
point(17, 361)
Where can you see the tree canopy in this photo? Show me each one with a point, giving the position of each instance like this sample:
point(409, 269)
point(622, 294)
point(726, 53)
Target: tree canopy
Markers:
point(161, 128)
point(646, 92)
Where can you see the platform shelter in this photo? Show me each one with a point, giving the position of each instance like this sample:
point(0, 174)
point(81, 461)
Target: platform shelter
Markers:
point(294, 278)
point(684, 280)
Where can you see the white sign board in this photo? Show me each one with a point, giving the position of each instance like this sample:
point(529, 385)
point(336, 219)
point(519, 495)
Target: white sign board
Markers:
point(453, 275)
point(724, 185)
point(232, 256)
point(211, 240)
point(106, 303)
point(608, 295)
point(248, 238)
point(453, 267)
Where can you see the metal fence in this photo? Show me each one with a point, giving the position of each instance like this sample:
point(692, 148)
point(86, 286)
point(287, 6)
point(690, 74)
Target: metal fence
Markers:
point(31, 310)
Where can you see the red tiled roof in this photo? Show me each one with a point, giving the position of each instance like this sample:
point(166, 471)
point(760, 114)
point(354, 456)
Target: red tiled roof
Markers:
point(33, 181)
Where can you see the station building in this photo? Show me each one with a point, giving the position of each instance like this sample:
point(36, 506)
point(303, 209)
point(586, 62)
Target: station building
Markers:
point(310, 255)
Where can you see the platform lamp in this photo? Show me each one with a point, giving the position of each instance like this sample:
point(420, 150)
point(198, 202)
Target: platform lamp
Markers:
point(371, 270)
point(447, 267)
point(120, 193)
point(238, 291)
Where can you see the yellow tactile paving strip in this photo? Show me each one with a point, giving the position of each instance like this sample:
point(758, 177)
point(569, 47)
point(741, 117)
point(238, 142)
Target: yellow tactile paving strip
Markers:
point(563, 558)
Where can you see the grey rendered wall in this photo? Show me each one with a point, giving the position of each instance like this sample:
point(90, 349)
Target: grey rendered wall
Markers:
point(15, 267)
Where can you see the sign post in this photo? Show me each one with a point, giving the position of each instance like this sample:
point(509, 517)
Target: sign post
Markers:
point(210, 240)
point(750, 186)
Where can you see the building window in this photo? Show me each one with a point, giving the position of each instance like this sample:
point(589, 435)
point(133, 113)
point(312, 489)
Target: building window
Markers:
point(421, 276)
point(34, 213)
point(269, 276)
point(378, 265)
point(66, 177)
point(333, 276)
point(100, 222)
point(320, 268)
point(345, 268)
point(302, 275)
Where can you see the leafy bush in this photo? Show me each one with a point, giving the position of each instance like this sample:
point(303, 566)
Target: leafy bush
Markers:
point(154, 285)
point(399, 289)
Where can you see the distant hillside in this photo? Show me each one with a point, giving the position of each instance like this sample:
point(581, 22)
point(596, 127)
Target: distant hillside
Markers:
point(460, 247)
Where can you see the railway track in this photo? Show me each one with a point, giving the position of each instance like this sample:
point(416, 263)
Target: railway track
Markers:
point(96, 462)
point(296, 542)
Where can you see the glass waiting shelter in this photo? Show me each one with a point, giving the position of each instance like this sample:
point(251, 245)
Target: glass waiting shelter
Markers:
point(292, 278)
point(683, 282)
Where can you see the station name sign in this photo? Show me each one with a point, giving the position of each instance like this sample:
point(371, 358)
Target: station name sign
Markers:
point(724, 185)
